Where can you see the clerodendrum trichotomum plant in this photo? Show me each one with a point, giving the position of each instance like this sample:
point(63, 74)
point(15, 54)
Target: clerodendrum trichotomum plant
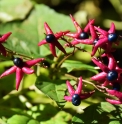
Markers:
point(61, 46)
point(108, 80)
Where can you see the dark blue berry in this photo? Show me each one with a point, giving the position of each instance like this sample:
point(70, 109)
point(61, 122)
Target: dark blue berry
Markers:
point(112, 75)
point(18, 62)
point(116, 86)
point(83, 35)
point(50, 38)
point(95, 41)
point(46, 63)
point(112, 37)
point(76, 100)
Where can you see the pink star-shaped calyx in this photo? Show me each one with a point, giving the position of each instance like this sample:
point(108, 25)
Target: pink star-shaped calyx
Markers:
point(52, 40)
point(106, 38)
point(20, 68)
point(110, 73)
point(76, 96)
point(115, 93)
point(3, 39)
point(81, 33)
point(112, 63)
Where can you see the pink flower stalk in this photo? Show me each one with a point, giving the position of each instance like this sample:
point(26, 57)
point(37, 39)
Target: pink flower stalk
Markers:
point(20, 68)
point(81, 33)
point(109, 74)
point(112, 63)
point(76, 96)
point(117, 94)
point(3, 39)
point(105, 38)
point(52, 40)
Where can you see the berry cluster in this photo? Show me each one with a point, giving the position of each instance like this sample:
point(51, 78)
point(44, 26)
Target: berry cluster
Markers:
point(76, 96)
point(90, 35)
point(20, 68)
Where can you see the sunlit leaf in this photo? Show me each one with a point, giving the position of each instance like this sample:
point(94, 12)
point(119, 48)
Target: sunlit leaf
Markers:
point(27, 34)
point(2, 121)
point(98, 114)
point(107, 107)
point(14, 9)
point(115, 122)
point(53, 89)
point(71, 65)
point(21, 119)
point(61, 117)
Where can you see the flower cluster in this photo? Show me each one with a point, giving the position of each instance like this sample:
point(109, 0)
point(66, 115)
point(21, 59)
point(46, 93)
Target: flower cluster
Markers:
point(90, 35)
point(20, 68)
point(76, 96)
point(111, 75)
point(52, 40)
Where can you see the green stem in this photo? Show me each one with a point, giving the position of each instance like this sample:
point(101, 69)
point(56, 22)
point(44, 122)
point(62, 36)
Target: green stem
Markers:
point(14, 53)
point(70, 45)
point(60, 63)
point(88, 82)
point(56, 60)
point(99, 88)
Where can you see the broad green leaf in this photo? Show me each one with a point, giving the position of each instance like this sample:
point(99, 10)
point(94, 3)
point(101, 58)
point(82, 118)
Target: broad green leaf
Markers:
point(7, 111)
point(52, 88)
point(49, 114)
point(40, 112)
point(32, 121)
point(97, 114)
point(2, 121)
point(56, 121)
point(107, 107)
point(71, 65)
point(14, 9)
point(61, 117)
point(27, 34)
point(21, 119)
point(115, 122)
point(18, 119)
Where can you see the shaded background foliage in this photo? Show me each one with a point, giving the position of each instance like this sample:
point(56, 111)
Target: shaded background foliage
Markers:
point(25, 19)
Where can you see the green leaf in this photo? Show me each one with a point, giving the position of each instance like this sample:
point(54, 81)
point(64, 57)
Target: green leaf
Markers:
point(49, 114)
point(114, 122)
point(27, 34)
point(43, 112)
point(71, 65)
point(107, 107)
point(14, 9)
point(61, 117)
point(21, 119)
point(18, 119)
point(98, 114)
point(52, 88)
point(2, 121)
point(4, 57)
point(8, 112)
point(33, 122)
